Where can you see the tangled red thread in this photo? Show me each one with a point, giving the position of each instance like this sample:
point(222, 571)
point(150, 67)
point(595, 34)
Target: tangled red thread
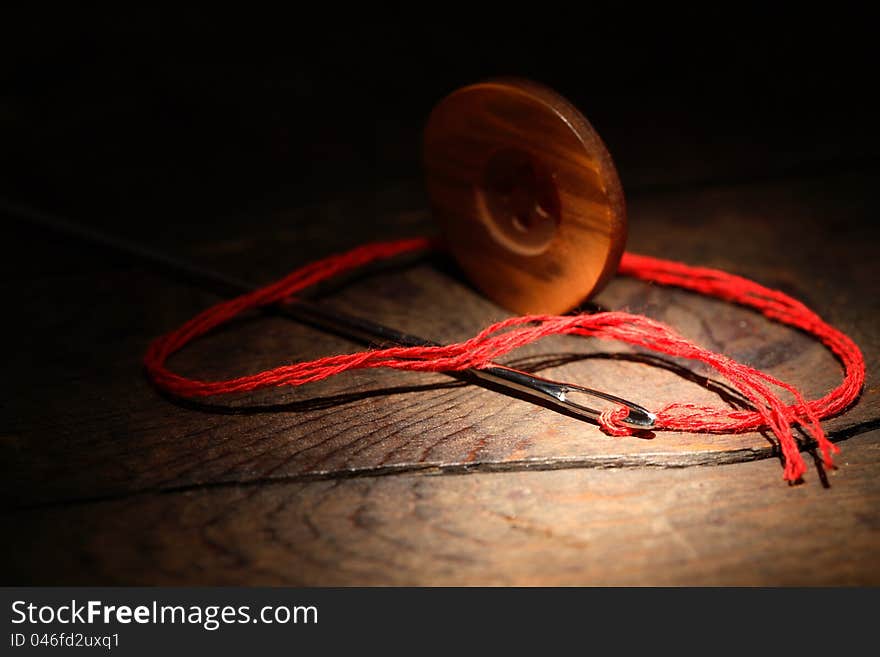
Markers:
point(768, 411)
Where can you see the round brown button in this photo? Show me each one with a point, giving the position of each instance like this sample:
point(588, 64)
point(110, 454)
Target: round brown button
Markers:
point(526, 194)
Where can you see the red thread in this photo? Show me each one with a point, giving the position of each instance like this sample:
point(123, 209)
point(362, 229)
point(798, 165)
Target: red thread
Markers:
point(610, 421)
point(770, 412)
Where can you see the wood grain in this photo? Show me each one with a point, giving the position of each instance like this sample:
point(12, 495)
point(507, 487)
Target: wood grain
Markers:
point(109, 433)
point(139, 488)
point(732, 525)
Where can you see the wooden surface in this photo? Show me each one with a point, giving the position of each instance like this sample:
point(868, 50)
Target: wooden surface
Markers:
point(526, 195)
point(391, 477)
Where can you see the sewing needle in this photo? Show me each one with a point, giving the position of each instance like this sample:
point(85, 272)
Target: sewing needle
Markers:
point(557, 394)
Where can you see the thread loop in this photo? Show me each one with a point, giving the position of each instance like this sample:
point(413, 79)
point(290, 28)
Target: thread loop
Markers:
point(610, 421)
point(762, 390)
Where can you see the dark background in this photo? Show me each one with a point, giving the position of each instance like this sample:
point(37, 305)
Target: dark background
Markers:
point(160, 119)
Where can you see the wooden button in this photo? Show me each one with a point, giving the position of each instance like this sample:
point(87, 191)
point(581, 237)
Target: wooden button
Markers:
point(526, 194)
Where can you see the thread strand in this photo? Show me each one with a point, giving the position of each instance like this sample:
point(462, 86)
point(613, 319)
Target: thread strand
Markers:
point(768, 411)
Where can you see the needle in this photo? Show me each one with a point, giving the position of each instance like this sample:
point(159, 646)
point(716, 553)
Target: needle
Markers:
point(555, 393)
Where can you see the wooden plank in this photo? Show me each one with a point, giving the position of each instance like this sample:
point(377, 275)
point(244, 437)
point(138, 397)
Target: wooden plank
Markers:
point(730, 525)
point(85, 423)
